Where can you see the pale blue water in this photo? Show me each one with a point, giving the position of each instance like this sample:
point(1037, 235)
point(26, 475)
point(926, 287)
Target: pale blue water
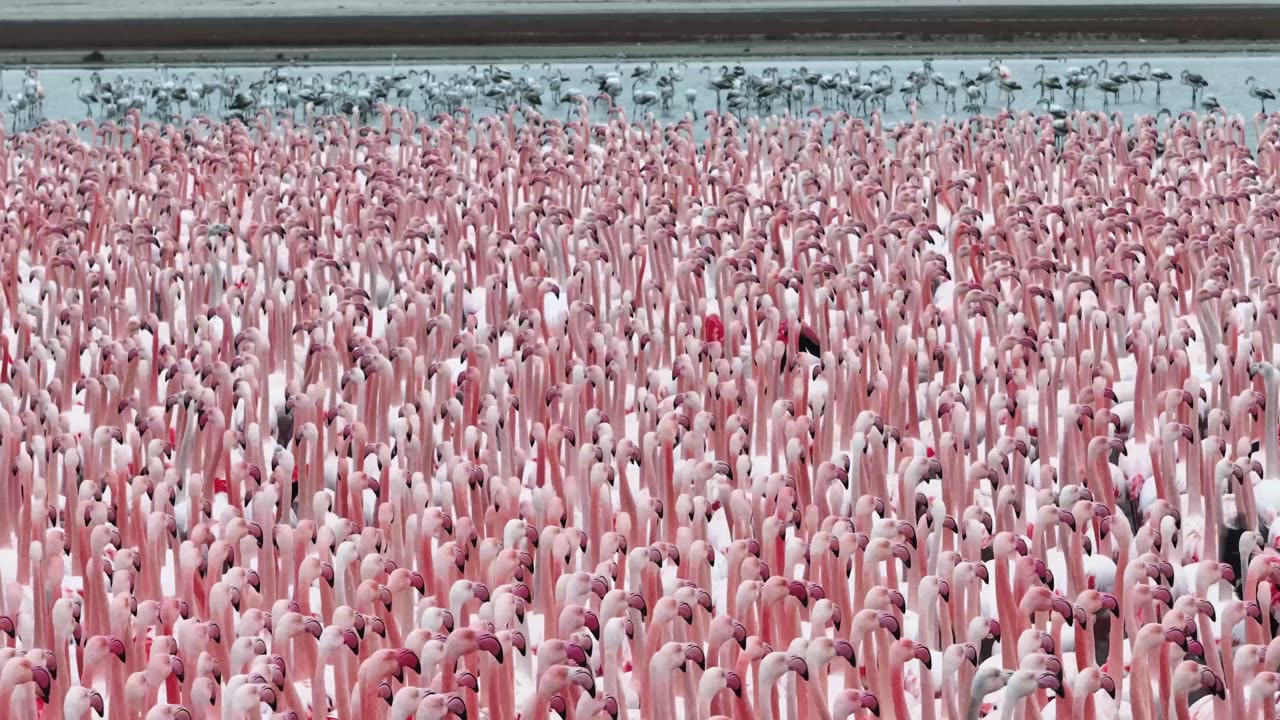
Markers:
point(1225, 74)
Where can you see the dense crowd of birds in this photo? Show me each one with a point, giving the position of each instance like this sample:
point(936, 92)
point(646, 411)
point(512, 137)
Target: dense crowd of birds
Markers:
point(167, 93)
point(468, 417)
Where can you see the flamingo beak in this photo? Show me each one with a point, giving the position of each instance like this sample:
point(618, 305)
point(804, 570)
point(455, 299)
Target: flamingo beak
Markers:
point(796, 664)
point(409, 659)
point(1207, 609)
point(1210, 680)
point(799, 592)
point(585, 680)
point(890, 623)
point(488, 642)
point(902, 553)
point(43, 681)
point(117, 648)
point(1253, 610)
point(575, 653)
point(686, 613)
point(469, 681)
point(1194, 648)
point(844, 649)
point(599, 586)
point(1228, 573)
point(458, 707)
point(1081, 616)
point(1049, 681)
point(1109, 685)
point(386, 693)
point(924, 656)
point(637, 602)
point(733, 683)
point(1063, 608)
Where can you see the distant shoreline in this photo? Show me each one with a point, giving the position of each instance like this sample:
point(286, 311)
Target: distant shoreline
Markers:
point(876, 29)
point(700, 52)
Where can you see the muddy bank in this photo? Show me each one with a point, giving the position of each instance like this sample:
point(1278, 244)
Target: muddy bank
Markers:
point(290, 27)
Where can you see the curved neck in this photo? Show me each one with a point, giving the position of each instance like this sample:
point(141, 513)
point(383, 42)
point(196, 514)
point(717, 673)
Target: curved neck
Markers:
point(1010, 702)
point(900, 709)
point(927, 706)
point(320, 701)
point(541, 705)
point(704, 708)
point(1180, 706)
point(764, 698)
point(1271, 419)
point(974, 711)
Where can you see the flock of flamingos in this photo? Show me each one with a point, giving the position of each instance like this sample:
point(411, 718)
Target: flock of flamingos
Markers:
point(170, 93)
point(792, 417)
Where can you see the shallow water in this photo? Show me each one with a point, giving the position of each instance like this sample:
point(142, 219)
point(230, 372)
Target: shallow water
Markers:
point(1225, 74)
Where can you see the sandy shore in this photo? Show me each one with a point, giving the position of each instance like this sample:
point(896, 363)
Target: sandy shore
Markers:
point(95, 29)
